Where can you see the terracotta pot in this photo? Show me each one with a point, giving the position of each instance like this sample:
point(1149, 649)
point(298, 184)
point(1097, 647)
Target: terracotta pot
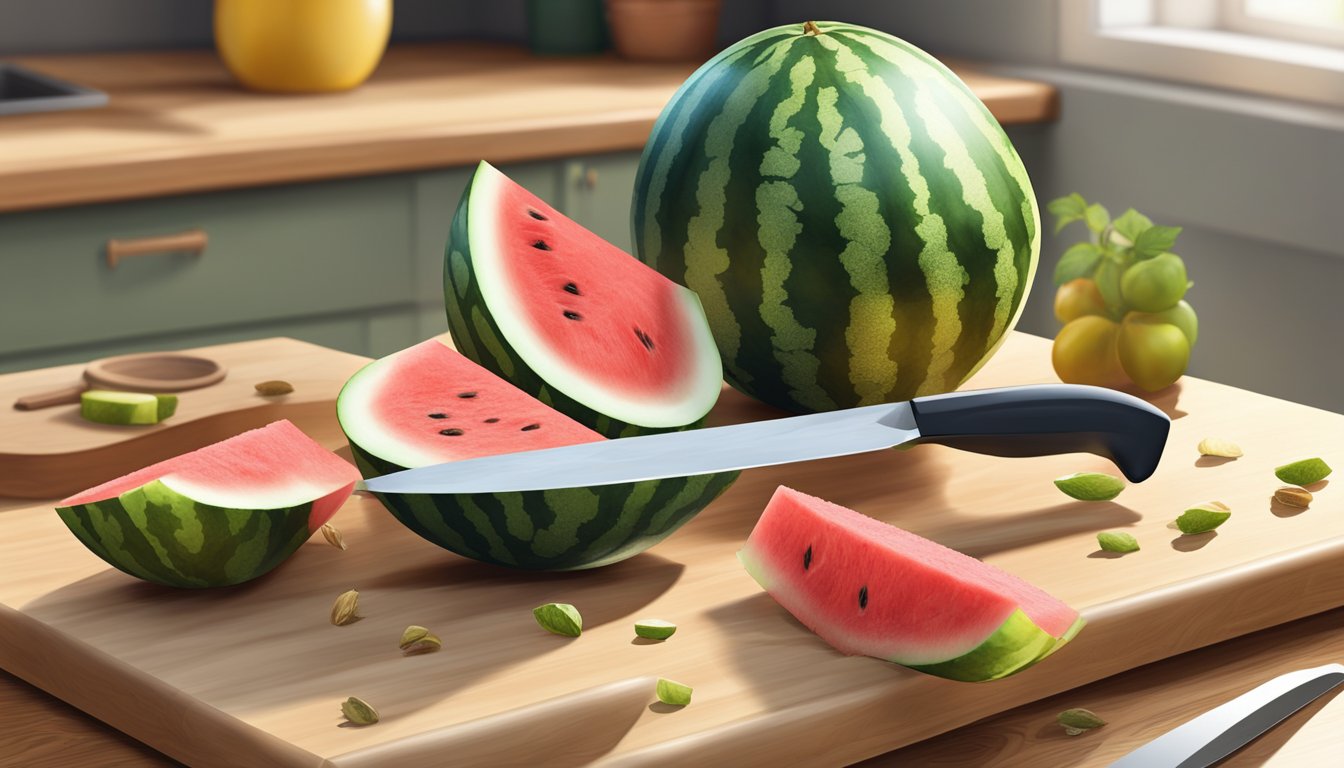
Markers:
point(664, 30)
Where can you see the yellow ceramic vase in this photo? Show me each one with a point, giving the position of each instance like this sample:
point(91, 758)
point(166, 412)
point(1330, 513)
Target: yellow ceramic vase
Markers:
point(302, 46)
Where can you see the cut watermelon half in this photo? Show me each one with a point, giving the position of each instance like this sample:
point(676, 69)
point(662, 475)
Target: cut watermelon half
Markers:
point(428, 405)
point(571, 319)
point(873, 589)
point(221, 515)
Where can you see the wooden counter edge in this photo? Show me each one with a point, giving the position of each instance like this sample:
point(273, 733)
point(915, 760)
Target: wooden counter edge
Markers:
point(214, 165)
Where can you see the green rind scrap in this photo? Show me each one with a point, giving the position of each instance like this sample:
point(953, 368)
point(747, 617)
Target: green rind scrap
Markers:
point(784, 340)
point(1016, 645)
point(567, 529)
point(156, 534)
point(478, 337)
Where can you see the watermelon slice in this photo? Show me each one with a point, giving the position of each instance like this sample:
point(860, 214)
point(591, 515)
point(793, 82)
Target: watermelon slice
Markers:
point(571, 319)
point(873, 589)
point(428, 405)
point(221, 515)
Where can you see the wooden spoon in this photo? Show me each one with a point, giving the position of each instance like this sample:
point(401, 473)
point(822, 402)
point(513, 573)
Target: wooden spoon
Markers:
point(147, 372)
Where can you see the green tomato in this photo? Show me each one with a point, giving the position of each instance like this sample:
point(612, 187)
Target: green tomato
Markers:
point(1085, 353)
point(1155, 284)
point(1153, 353)
point(1182, 316)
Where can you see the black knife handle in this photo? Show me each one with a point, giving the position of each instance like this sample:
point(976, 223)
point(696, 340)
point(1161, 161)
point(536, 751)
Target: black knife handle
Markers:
point(1047, 419)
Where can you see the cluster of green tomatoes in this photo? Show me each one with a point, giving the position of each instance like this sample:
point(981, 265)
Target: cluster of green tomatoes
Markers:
point(1121, 298)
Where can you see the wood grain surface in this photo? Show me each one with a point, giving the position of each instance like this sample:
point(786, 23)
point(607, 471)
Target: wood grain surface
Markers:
point(259, 669)
point(53, 452)
point(177, 123)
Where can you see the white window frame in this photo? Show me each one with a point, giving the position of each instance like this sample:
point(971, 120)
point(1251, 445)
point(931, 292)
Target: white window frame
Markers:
point(1233, 17)
point(1184, 41)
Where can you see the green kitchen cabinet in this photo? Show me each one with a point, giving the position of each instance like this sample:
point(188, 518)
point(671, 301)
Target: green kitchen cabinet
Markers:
point(353, 264)
point(596, 192)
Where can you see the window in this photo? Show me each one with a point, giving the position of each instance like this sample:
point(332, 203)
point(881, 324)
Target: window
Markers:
point(1309, 21)
point(1286, 48)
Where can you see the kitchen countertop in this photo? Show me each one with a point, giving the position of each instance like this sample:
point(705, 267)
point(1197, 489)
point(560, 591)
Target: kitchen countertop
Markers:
point(176, 122)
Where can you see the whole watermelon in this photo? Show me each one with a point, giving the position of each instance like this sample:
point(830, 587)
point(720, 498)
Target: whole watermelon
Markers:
point(855, 222)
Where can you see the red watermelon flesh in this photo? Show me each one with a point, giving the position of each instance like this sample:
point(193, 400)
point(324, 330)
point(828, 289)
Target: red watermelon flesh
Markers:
point(870, 588)
point(274, 467)
point(428, 424)
point(608, 330)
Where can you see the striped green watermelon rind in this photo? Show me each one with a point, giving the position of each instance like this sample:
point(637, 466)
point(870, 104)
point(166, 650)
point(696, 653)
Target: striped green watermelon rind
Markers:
point(1015, 645)
point(857, 225)
point(159, 535)
point(477, 335)
point(556, 530)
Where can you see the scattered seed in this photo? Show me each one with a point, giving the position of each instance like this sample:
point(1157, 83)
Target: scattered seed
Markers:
point(572, 288)
point(1293, 496)
point(1212, 446)
point(1075, 721)
point(1117, 541)
point(573, 315)
point(807, 558)
point(346, 609)
point(417, 640)
point(451, 432)
point(559, 619)
point(333, 536)
point(654, 629)
point(674, 693)
point(1203, 518)
point(1090, 486)
point(1304, 472)
point(358, 711)
point(541, 245)
point(863, 597)
point(274, 388)
point(530, 427)
point(538, 215)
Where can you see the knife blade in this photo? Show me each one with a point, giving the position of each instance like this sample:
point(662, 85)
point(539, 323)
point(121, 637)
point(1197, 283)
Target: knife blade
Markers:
point(1030, 420)
point(1224, 729)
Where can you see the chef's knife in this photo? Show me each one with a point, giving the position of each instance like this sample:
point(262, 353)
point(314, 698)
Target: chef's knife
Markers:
point(1224, 729)
point(1013, 421)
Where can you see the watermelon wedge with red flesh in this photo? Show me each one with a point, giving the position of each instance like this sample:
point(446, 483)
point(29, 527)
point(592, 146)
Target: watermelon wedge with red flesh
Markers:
point(869, 588)
point(220, 515)
point(570, 318)
point(428, 404)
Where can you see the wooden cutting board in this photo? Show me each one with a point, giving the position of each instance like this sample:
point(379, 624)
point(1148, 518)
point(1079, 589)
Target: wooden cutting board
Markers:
point(53, 452)
point(254, 675)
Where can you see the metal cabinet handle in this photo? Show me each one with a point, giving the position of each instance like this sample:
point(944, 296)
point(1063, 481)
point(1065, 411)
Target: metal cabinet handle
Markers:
point(583, 176)
point(188, 241)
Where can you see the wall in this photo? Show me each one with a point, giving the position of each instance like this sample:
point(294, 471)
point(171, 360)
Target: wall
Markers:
point(64, 26)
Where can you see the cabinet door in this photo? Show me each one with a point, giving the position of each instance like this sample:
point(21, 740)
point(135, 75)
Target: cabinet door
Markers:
point(436, 197)
point(597, 192)
point(272, 255)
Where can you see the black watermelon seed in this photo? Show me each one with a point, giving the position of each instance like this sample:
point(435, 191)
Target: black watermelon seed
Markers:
point(644, 339)
point(492, 420)
point(454, 432)
point(466, 395)
point(572, 288)
point(438, 415)
point(863, 597)
point(541, 245)
point(531, 427)
point(536, 215)
point(807, 558)
point(573, 315)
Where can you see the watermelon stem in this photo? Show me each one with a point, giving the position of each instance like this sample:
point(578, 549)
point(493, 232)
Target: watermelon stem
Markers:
point(810, 28)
